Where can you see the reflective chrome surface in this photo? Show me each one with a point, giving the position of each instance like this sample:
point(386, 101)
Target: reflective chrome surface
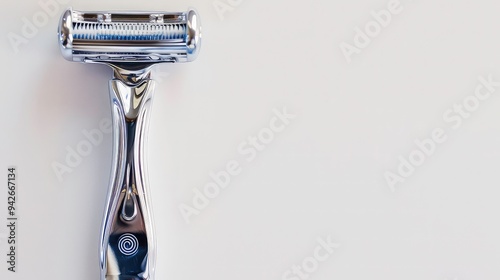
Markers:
point(127, 248)
point(134, 36)
point(130, 43)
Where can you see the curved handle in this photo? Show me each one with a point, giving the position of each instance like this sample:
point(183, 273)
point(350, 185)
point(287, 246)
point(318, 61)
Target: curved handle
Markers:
point(127, 248)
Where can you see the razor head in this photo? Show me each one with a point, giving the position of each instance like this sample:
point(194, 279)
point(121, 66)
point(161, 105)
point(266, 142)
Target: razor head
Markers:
point(129, 37)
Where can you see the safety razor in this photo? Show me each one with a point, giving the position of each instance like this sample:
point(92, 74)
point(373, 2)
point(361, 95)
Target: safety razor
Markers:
point(131, 43)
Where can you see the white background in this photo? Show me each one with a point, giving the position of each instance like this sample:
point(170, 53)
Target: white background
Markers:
point(322, 176)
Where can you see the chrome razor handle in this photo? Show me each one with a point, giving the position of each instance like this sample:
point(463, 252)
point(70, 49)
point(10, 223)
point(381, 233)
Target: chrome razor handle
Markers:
point(127, 247)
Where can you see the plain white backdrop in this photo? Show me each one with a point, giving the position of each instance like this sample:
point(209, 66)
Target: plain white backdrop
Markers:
point(323, 176)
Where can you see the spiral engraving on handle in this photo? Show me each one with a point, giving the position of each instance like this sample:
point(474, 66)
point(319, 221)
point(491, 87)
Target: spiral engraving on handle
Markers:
point(128, 244)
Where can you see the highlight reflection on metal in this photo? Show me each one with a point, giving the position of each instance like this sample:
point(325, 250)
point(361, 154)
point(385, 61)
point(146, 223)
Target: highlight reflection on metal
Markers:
point(130, 43)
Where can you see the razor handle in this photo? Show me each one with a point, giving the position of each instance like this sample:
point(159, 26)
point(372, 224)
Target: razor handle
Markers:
point(127, 247)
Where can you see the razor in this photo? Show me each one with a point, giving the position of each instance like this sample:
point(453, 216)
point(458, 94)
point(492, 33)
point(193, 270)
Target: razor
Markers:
point(131, 43)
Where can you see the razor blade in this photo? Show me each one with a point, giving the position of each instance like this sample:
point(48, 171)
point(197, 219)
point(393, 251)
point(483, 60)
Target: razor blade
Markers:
point(130, 37)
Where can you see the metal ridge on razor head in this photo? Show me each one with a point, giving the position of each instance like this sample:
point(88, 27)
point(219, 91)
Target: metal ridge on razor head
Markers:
point(117, 37)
